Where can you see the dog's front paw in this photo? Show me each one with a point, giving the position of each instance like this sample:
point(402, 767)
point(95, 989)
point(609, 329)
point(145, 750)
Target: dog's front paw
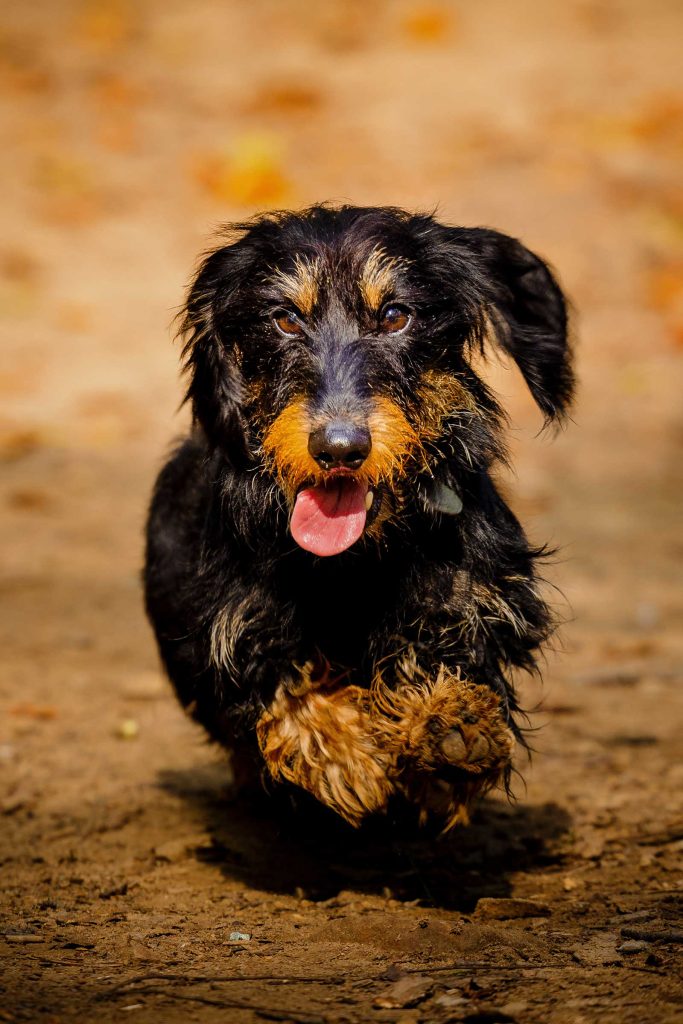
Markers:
point(322, 741)
point(450, 740)
point(444, 721)
point(466, 731)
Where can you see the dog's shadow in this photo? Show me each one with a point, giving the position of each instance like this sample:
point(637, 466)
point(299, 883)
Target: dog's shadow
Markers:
point(290, 844)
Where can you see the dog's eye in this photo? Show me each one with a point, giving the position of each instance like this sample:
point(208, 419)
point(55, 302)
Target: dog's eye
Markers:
point(394, 319)
point(288, 324)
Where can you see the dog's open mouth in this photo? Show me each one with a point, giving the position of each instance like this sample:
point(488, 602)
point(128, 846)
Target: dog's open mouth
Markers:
point(329, 517)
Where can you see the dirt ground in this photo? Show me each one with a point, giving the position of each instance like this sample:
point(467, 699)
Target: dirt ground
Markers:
point(132, 881)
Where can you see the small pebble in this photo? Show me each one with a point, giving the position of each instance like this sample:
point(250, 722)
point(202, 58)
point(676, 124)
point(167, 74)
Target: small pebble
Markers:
point(632, 946)
point(128, 729)
point(240, 936)
point(451, 1000)
point(515, 1008)
point(410, 989)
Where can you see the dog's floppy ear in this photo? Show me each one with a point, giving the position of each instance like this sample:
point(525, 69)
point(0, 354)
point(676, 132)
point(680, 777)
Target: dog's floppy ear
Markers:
point(526, 309)
point(210, 349)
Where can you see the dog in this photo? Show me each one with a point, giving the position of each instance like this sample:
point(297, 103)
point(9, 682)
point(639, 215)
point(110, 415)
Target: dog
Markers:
point(339, 592)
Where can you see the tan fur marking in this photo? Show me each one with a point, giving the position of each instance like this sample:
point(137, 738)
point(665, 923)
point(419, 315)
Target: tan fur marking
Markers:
point(321, 739)
point(285, 446)
point(390, 506)
point(486, 606)
point(220, 651)
point(300, 285)
point(377, 279)
point(394, 441)
point(228, 626)
point(440, 395)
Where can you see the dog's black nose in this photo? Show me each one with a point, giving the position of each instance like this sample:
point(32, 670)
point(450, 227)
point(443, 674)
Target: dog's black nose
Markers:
point(340, 445)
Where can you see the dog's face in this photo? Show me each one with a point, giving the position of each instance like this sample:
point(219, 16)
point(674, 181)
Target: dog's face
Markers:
point(329, 349)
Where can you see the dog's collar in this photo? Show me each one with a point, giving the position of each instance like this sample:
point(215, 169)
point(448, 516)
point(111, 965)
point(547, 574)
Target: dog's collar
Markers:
point(445, 499)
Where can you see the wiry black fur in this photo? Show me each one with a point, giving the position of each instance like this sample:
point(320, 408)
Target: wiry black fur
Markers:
point(218, 533)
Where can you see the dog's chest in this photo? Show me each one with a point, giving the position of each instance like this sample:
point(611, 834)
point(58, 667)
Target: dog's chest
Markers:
point(340, 605)
point(343, 606)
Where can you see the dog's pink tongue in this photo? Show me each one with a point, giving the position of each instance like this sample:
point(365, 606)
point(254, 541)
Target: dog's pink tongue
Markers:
point(329, 518)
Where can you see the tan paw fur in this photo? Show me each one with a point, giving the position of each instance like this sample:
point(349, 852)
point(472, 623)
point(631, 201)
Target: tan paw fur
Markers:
point(322, 739)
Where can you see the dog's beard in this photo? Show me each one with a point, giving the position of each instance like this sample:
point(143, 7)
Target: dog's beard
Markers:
point(329, 517)
point(330, 511)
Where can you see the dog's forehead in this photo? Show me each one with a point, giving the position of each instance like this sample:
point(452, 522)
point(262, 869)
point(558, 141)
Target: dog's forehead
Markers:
point(370, 272)
point(354, 256)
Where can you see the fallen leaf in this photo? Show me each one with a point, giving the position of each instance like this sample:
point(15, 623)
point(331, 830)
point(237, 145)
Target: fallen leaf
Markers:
point(249, 173)
point(113, 91)
point(19, 265)
point(17, 444)
point(664, 285)
point(105, 24)
point(427, 23)
point(660, 120)
point(28, 499)
point(285, 97)
point(40, 712)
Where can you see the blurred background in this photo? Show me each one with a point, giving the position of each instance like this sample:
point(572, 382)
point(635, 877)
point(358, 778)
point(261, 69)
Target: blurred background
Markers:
point(132, 130)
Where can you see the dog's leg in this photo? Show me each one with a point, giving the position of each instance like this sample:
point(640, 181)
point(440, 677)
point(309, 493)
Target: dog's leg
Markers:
point(449, 738)
point(320, 736)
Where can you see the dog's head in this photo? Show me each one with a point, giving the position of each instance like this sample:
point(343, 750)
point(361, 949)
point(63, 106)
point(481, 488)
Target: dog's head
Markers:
point(331, 349)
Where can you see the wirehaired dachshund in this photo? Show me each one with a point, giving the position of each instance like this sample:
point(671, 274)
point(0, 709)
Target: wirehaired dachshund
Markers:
point(339, 592)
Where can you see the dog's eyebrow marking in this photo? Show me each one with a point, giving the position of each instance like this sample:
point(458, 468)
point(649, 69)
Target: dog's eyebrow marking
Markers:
point(300, 285)
point(377, 278)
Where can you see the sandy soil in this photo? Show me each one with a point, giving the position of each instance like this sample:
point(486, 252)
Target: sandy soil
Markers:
point(130, 131)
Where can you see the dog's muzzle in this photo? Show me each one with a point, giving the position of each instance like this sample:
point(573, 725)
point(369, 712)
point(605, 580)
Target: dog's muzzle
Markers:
point(331, 516)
